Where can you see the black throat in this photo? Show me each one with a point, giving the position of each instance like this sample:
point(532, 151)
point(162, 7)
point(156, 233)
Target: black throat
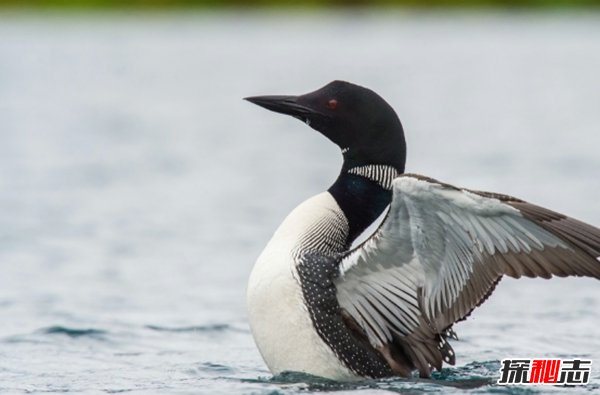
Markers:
point(363, 193)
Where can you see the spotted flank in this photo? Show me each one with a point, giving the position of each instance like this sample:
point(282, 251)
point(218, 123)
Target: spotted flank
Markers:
point(446, 350)
point(316, 274)
point(450, 334)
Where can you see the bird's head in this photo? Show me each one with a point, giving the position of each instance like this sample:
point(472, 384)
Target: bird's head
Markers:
point(358, 120)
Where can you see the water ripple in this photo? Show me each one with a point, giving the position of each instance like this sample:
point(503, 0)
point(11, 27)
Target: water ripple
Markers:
point(400, 385)
point(73, 332)
point(212, 328)
point(215, 368)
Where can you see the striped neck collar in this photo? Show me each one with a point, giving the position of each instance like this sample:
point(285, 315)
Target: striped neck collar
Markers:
point(383, 175)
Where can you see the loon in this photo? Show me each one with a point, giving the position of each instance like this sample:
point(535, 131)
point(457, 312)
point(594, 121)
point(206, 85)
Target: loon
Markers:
point(321, 303)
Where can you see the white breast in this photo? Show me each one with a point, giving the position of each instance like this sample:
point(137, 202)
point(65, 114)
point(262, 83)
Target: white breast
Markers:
point(279, 319)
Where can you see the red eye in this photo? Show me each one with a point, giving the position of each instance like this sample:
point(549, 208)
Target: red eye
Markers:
point(332, 104)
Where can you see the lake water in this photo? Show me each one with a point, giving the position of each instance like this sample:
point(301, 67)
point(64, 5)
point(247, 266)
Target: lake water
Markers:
point(137, 188)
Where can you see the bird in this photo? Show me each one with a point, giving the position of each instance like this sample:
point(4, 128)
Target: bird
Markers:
point(323, 303)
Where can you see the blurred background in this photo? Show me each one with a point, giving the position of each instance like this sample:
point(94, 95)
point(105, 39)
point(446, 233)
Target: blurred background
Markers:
point(137, 188)
point(203, 4)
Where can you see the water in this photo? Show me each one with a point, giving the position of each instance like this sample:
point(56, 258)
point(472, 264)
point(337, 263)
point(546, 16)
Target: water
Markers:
point(137, 188)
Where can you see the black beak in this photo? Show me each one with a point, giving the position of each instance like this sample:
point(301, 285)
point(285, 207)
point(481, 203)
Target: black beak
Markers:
point(282, 104)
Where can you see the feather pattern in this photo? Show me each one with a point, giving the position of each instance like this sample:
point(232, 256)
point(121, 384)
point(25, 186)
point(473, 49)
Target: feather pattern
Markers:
point(381, 174)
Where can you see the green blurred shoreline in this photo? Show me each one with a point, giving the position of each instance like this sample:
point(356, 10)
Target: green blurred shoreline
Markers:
point(160, 5)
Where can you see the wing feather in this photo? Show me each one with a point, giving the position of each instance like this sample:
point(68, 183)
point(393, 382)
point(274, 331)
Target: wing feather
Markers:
point(438, 255)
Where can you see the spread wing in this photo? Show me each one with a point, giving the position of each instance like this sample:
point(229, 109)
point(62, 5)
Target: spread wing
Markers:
point(439, 254)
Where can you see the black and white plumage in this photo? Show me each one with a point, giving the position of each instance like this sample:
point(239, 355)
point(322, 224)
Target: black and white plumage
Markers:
point(386, 307)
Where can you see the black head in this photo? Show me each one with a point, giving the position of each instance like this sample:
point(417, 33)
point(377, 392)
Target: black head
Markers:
point(357, 119)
